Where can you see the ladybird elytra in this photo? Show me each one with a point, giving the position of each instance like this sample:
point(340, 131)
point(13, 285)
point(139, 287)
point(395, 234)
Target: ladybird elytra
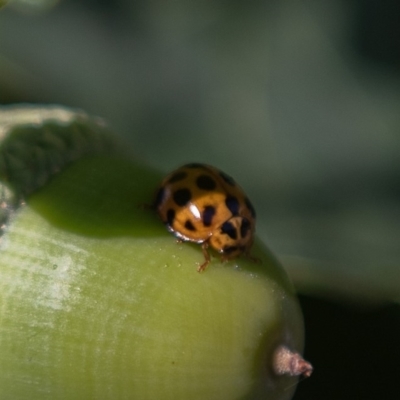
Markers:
point(201, 204)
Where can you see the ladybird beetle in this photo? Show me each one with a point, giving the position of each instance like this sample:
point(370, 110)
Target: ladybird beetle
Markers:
point(199, 203)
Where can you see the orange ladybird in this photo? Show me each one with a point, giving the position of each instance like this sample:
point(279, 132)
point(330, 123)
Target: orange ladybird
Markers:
point(201, 204)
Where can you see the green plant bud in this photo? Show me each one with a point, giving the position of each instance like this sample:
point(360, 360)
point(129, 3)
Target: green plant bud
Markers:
point(99, 301)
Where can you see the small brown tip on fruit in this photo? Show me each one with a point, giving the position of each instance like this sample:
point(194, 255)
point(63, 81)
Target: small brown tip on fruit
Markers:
point(287, 362)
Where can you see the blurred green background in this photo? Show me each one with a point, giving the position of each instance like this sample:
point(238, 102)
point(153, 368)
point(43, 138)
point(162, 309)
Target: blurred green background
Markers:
point(299, 101)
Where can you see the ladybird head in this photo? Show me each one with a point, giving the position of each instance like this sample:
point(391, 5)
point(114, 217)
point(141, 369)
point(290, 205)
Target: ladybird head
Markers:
point(233, 237)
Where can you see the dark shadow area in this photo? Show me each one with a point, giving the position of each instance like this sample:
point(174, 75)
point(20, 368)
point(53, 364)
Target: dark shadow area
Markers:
point(354, 351)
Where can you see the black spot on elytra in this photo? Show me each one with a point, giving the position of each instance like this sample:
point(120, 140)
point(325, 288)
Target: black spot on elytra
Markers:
point(244, 227)
point(182, 197)
point(230, 249)
point(159, 197)
point(233, 204)
point(229, 180)
point(205, 182)
point(194, 165)
point(170, 216)
point(229, 229)
point(208, 213)
point(189, 226)
point(178, 176)
point(250, 207)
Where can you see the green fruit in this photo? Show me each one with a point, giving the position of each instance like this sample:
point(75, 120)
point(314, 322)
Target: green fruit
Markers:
point(98, 301)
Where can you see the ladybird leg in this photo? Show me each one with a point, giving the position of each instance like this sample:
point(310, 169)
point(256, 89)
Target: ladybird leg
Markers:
point(252, 258)
point(249, 256)
point(207, 258)
point(225, 258)
point(146, 207)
